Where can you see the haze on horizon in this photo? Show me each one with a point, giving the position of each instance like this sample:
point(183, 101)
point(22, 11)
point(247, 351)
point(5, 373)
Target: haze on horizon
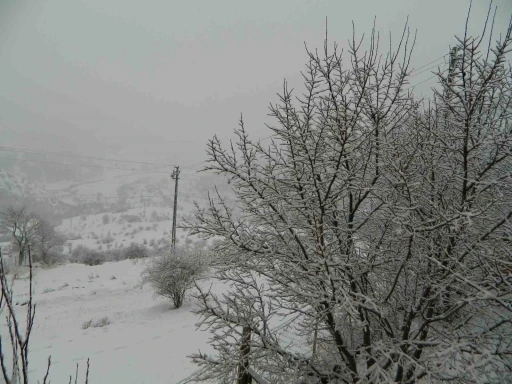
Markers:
point(153, 80)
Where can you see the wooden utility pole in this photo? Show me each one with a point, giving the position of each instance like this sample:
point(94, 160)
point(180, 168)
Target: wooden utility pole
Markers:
point(175, 176)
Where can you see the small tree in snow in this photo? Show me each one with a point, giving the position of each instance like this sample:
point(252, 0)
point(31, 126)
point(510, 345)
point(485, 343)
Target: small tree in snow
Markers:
point(379, 222)
point(22, 225)
point(171, 275)
point(48, 241)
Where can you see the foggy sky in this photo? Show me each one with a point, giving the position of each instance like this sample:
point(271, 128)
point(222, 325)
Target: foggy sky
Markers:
point(154, 79)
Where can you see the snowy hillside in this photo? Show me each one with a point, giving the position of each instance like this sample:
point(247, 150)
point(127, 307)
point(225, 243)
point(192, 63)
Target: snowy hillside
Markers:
point(146, 225)
point(115, 191)
point(14, 186)
point(102, 312)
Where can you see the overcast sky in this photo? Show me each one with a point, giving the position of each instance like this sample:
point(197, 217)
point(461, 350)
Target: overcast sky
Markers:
point(155, 78)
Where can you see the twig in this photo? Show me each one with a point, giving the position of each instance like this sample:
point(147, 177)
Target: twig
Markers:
point(87, 373)
point(48, 369)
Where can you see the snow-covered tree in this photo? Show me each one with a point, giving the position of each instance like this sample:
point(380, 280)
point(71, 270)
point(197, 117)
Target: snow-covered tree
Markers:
point(47, 241)
point(374, 223)
point(174, 273)
point(22, 225)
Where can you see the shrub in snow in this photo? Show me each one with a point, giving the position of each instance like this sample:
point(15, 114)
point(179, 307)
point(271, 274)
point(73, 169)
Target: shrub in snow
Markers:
point(172, 274)
point(50, 258)
point(155, 217)
point(101, 322)
point(108, 238)
point(113, 255)
point(106, 218)
point(131, 218)
point(135, 251)
point(87, 324)
point(83, 255)
point(96, 324)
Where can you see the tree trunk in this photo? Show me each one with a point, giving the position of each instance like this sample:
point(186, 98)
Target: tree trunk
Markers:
point(243, 366)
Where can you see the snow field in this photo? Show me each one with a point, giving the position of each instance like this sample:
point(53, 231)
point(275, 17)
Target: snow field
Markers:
point(146, 341)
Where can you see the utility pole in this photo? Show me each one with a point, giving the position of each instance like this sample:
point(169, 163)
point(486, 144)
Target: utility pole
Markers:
point(175, 176)
point(453, 62)
point(454, 57)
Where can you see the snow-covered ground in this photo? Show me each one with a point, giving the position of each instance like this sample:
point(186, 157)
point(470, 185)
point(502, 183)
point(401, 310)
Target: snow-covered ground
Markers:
point(147, 341)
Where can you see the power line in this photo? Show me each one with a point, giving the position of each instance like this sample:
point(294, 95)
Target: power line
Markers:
point(83, 165)
point(26, 150)
point(118, 197)
point(94, 196)
point(426, 65)
point(193, 165)
point(137, 196)
point(13, 149)
point(93, 166)
point(106, 197)
point(426, 70)
point(424, 81)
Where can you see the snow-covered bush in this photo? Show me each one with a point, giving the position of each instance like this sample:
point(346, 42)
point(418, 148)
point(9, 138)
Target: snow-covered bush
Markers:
point(51, 259)
point(96, 323)
point(171, 275)
point(107, 239)
point(73, 236)
point(161, 244)
point(113, 254)
point(155, 217)
point(135, 251)
point(84, 255)
point(131, 218)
